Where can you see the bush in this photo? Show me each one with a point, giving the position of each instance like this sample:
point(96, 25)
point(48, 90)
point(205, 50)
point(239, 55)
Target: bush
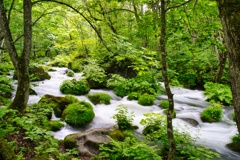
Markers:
point(100, 98)
point(78, 114)
point(218, 92)
point(5, 87)
point(61, 60)
point(164, 104)
point(212, 113)
point(95, 75)
point(146, 100)
point(185, 146)
point(129, 149)
point(124, 121)
point(235, 143)
point(133, 96)
point(118, 84)
point(55, 125)
point(75, 87)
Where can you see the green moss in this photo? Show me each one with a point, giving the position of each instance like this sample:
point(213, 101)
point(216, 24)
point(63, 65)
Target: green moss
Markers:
point(212, 114)
point(164, 104)
point(6, 152)
point(133, 96)
point(55, 125)
point(100, 98)
point(118, 135)
point(70, 141)
point(146, 99)
point(70, 73)
point(150, 129)
point(235, 144)
point(75, 87)
point(78, 114)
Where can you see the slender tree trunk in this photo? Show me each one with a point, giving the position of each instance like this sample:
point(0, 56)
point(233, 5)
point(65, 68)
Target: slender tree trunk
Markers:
point(166, 83)
point(229, 11)
point(21, 63)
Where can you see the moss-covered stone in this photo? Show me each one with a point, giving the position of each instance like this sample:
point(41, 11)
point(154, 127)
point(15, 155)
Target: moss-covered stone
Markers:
point(57, 103)
point(32, 92)
point(100, 98)
point(164, 104)
point(212, 114)
point(55, 125)
point(78, 114)
point(146, 99)
point(70, 141)
point(133, 96)
point(75, 87)
point(6, 152)
point(150, 129)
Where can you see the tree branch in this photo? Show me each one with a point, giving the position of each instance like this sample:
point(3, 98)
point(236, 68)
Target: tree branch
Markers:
point(74, 9)
point(10, 10)
point(178, 5)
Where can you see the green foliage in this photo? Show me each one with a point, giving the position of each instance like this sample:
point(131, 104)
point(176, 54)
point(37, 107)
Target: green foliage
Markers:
point(124, 121)
point(70, 141)
point(235, 143)
point(236, 139)
point(6, 152)
point(70, 73)
point(75, 87)
point(173, 114)
point(233, 116)
point(146, 99)
point(133, 96)
point(218, 92)
point(95, 75)
point(61, 60)
point(129, 149)
point(100, 98)
point(212, 113)
point(164, 104)
point(185, 146)
point(5, 87)
point(141, 84)
point(55, 125)
point(78, 114)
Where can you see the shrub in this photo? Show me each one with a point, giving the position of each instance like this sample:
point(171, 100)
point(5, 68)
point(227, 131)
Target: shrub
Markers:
point(235, 143)
point(75, 87)
point(233, 116)
point(124, 121)
point(70, 73)
point(218, 92)
point(133, 96)
point(5, 87)
point(78, 114)
point(164, 104)
point(55, 125)
point(95, 75)
point(212, 113)
point(76, 65)
point(129, 149)
point(61, 60)
point(118, 84)
point(185, 146)
point(146, 100)
point(100, 98)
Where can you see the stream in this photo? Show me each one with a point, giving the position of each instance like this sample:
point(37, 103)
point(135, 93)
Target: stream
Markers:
point(188, 104)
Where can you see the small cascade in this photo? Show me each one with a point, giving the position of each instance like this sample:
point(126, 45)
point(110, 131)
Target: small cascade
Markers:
point(188, 104)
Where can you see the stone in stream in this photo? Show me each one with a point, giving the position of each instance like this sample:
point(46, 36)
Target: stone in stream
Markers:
point(88, 142)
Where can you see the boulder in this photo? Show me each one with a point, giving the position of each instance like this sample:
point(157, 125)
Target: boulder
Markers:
point(88, 142)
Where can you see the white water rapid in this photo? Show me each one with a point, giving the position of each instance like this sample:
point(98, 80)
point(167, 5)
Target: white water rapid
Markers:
point(188, 104)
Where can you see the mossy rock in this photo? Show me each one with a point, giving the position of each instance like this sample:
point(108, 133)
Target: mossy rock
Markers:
point(70, 73)
point(164, 104)
point(100, 98)
point(234, 147)
point(211, 114)
point(6, 152)
point(78, 114)
point(118, 135)
point(55, 125)
point(57, 103)
point(95, 84)
point(32, 92)
point(133, 96)
point(75, 87)
point(70, 141)
point(146, 99)
point(36, 74)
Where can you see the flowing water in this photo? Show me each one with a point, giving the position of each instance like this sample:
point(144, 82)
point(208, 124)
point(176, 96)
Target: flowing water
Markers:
point(188, 104)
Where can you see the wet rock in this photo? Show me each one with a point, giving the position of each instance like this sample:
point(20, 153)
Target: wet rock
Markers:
point(88, 142)
point(193, 122)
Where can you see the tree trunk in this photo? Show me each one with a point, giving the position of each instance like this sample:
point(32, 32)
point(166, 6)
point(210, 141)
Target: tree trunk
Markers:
point(230, 17)
point(21, 63)
point(166, 83)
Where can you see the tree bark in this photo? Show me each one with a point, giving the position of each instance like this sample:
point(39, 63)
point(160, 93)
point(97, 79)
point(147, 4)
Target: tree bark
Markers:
point(166, 83)
point(21, 63)
point(230, 17)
